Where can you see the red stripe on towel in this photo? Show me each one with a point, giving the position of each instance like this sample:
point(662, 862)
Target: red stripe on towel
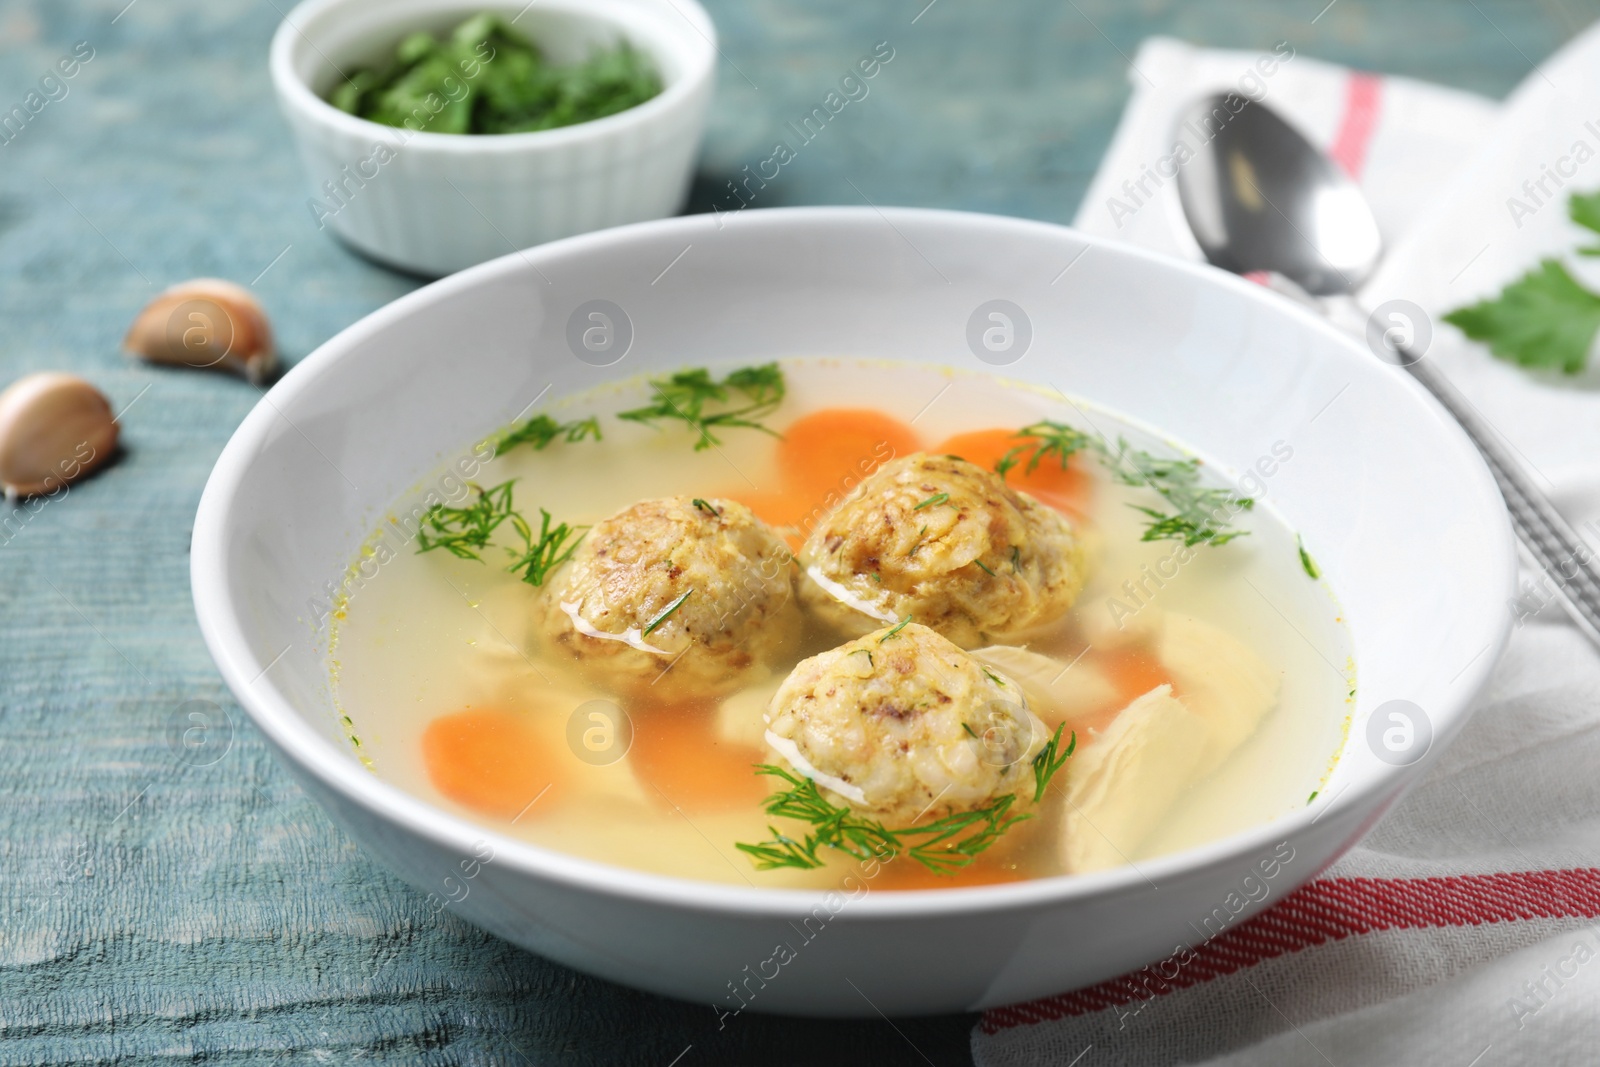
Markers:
point(1363, 97)
point(1332, 909)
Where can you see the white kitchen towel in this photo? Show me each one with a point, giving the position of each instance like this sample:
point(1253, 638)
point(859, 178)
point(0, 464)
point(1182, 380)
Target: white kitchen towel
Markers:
point(1462, 929)
point(1401, 139)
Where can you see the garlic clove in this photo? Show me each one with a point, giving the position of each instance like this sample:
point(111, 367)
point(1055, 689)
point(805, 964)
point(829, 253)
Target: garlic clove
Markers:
point(205, 322)
point(54, 429)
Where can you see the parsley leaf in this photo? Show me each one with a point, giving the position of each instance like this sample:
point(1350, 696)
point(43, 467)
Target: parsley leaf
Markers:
point(485, 78)
point(1544, 320)
point(1584, 209)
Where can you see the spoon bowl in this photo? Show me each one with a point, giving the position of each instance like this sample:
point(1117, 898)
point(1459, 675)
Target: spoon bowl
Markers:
point(1260, 197)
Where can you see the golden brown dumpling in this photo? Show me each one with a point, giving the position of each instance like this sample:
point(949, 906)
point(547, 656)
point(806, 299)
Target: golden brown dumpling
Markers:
point(675, 598)
point(902, 723)
point(946, 542)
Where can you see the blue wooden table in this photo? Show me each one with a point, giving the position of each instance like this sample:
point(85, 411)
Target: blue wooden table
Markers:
point(157, 909)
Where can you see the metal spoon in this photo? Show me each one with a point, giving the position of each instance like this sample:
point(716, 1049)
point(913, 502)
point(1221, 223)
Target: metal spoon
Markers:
point(1260, 197)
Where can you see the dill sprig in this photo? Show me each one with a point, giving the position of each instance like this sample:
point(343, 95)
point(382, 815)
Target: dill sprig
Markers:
point(541, 429)
point(1199, 514)
point(1040, 440)
point(688, 397)
point(1051, 759)
point(540, 555)
point(935, 499)
point(1307, 564)
point(666, 613)
point(943, 846)
point(465, 531)
point(901, 625)
point(1195, 513)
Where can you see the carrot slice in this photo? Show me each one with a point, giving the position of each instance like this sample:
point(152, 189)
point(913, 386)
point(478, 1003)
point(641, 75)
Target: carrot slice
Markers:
point(775, 509)
point(907, 873)
point(676, 750)
point(1062, 488)
point(830, 451)
point(488, 759)
point(1134, 671)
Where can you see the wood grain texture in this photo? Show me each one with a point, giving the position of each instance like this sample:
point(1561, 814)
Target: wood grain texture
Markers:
point(154, 910)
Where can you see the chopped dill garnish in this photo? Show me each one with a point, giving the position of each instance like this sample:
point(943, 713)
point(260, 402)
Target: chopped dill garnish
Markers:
point(464, 531)
point(877, 577)
point(943, 846)
point(937, 498)
point(1197, 515)
point(1306, 562)
point(867, 652)
point(752, 392)
point(968, 729)
point(920, 535)
point(1016, 560)
point(706, 506)
point(540, 555)
point(1313, 795)
point(540, 430)
point(995, 678)
point(901, 625)
point(665, 612)
point(1050, 760)
point(984, 567)
point(1042, 439)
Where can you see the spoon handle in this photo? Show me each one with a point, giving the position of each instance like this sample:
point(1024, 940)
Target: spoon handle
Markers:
point(1548, 540)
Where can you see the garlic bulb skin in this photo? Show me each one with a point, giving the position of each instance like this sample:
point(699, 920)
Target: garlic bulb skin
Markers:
point(54, 429)
point(205, 322)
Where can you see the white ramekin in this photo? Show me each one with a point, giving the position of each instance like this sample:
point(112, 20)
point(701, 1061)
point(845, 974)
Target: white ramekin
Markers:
point(435, 203)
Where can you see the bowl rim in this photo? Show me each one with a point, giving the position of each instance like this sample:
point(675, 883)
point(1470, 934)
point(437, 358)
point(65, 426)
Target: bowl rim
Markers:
point(316, 755)
point(294, 92)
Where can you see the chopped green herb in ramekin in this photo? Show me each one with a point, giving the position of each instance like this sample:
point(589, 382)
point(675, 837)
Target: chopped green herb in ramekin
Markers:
point(487, 78)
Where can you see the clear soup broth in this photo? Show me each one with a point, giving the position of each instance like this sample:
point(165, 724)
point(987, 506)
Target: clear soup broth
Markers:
point(1201, 686)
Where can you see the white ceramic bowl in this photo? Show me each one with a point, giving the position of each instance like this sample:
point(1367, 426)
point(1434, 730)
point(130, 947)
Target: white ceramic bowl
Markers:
point(1409, 529)
point(434, 203)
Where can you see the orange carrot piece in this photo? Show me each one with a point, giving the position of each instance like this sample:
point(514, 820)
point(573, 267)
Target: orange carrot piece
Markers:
point(907, 873)
point(676, 750)
point(775, 509)
point(487, 759)
point(1061, 488)
point(1134, 671)
point(830, 451)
